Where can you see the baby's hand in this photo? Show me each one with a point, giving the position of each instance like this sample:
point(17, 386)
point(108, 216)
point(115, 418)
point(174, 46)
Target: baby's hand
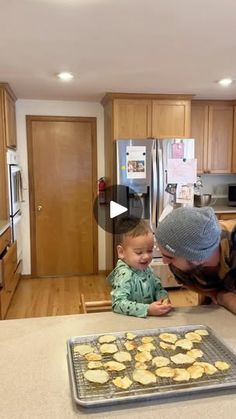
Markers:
point(158, 308)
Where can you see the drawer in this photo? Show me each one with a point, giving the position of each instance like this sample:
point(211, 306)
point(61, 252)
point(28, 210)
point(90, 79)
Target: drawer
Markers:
point(9, 264)
point(14, 279)
point(5, 239)
point(5, 298)
point(7, 294)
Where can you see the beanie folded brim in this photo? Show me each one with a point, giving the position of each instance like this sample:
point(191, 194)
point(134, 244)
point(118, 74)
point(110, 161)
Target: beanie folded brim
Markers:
point(190, 233)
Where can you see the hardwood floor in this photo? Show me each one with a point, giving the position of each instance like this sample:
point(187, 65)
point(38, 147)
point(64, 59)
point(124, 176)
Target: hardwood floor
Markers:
point(41, 297)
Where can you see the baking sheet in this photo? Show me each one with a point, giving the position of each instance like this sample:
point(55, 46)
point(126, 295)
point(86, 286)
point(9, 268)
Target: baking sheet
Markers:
point(88, 394)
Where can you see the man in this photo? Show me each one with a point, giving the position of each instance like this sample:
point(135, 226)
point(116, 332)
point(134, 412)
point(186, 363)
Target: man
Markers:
point(201, 252)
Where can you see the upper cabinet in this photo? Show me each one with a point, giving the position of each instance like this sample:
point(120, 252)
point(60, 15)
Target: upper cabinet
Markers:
point(7, 139)
point(199, 131)
point(148, 115)
point(171, 118)
point(8, 116)
point(132, 118)
point(212, 127)
point(10, 120)
point(234, 144)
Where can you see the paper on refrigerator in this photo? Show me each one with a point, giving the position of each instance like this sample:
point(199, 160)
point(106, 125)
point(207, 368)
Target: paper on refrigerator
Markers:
point(182, 171)
point(184, 193)
point(136, 162)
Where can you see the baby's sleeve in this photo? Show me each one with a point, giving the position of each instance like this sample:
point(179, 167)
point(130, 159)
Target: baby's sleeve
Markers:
point(121, 294)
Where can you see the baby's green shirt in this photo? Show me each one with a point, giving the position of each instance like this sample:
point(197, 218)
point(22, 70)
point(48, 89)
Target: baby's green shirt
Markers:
point(133, 290)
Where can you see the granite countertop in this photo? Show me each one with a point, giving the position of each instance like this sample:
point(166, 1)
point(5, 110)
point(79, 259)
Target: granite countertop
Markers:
point(4, 224)
point(34, 373)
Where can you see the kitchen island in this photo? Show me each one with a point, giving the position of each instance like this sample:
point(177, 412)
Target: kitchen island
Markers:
point(34, 374)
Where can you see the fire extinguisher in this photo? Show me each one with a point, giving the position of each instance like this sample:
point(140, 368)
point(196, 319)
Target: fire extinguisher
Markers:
point(101, 190)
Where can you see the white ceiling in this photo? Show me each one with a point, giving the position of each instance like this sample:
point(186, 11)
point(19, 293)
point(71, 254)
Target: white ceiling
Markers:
point(142, 46)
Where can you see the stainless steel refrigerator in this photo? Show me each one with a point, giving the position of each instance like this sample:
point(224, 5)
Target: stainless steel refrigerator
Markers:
point(147, 168)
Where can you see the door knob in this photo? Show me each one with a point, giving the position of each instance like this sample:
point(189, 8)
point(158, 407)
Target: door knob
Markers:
point(39, 208)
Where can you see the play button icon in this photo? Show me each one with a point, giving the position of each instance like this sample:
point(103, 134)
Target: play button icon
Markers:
point(116, 209)
point(117, 202)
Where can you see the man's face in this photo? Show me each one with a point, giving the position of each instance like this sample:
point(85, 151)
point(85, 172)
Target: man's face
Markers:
point(180, 263)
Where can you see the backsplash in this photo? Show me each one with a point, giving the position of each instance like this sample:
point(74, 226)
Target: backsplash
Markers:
point(217, 185)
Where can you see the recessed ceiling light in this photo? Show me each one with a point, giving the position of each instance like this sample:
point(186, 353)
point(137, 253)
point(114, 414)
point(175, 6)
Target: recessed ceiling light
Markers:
point(225, 82)
point(65, 76)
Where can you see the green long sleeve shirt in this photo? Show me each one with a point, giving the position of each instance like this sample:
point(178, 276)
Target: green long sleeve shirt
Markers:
point(133, 290)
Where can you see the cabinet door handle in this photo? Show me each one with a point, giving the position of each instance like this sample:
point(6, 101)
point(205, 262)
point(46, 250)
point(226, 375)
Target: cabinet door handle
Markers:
point(39, 208)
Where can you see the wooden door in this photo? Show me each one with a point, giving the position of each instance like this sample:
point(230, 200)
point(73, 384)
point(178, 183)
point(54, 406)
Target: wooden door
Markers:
point(220, 138)
point(199, 131)
point(171, 118)
point(62, 179)
point(132, 118)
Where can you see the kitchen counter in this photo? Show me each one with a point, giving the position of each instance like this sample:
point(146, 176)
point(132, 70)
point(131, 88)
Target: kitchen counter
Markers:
point(34, 374)
point(223, 209)
point(4, 224)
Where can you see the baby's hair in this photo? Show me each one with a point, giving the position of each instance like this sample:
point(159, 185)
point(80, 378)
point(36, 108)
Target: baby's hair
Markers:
point(131, 227)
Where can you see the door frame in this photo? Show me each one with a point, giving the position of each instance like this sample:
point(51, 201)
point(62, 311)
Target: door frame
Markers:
point(32, 211)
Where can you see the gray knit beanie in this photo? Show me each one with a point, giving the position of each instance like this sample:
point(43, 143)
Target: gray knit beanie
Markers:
point(190, 233)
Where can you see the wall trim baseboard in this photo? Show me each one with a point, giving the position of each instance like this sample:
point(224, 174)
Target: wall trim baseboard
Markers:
point(104, 272)
point(100, 272)
point(26, 276)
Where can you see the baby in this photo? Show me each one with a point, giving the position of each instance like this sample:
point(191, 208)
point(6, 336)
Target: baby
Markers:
point(136, 291)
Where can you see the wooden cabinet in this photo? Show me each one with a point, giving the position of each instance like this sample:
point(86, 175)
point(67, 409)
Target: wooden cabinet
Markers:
point(226, 216)
point(212, 127)
point(9, 271)
point(171, 118)
point(234, 144)
point(10, 120)
point(132, 118)
point(7, 139)
point(148, 115)
point(199, 131)
point(7, 116)
point(5, 240)
point(156, 118)
point(4, 203)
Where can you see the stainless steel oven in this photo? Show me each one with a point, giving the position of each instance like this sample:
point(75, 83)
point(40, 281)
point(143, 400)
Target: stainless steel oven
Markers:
point(14, 183)
point(15, 199)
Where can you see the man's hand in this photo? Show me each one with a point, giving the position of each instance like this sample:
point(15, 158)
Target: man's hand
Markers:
point(158, 308)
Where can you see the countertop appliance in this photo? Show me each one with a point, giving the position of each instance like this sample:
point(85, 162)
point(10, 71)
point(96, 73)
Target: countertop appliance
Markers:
point(202, 200)
point(232, 195)
point(144, 167)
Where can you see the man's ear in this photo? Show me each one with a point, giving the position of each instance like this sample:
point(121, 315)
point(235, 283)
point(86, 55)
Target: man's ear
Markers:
point(120, 251)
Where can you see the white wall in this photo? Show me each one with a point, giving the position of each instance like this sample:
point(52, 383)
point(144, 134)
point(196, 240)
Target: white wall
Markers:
point(58, 108)
point(217, 185)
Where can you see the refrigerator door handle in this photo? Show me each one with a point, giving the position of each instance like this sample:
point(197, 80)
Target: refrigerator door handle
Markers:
point(160, 174)
point(154, 188)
